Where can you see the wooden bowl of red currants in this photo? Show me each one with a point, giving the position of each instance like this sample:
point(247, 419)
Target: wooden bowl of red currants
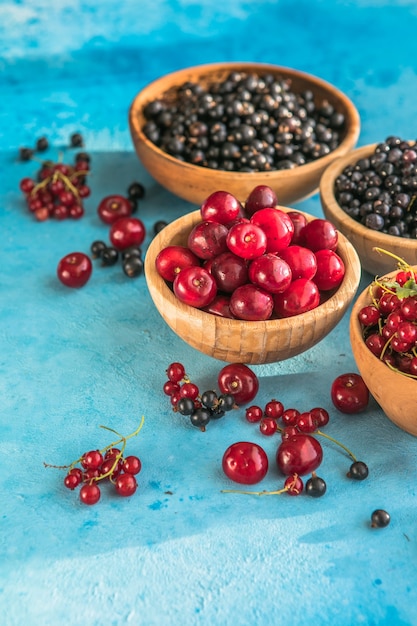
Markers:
point(234, 125)
point(369, 195)
point(247, 287)
point(388, 368)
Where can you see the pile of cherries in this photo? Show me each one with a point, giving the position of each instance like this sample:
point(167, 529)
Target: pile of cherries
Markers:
point(107, 465)
point(389, 322)
point(253, 261)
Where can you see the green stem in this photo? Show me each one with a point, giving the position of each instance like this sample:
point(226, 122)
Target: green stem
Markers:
point(352, 456)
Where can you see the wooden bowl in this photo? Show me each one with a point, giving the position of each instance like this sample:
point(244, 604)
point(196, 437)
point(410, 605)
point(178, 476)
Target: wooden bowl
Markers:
point(395, 393)
point(241, 341)
point(195, 183)
point(363, 239)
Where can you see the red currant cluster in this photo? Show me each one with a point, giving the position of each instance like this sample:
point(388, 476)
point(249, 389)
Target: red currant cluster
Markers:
point(109, 464)
point(253, 261)
point(187, 400)
point(59, 189)
point(389, 323)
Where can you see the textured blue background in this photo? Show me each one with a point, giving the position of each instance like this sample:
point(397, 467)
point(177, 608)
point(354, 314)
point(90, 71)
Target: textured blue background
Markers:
point(71, 360)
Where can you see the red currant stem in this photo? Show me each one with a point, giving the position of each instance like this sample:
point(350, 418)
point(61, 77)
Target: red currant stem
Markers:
point(384, 349)
point(257, 493)
point(121, 438)
point(401, 262)
point(384, 287)
point(394, 369)
point(352, 456)
point(68, 184)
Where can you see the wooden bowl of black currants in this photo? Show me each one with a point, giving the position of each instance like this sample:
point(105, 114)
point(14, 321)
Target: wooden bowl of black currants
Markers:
point(232, 126)
point(370, 195)
point(254, 288)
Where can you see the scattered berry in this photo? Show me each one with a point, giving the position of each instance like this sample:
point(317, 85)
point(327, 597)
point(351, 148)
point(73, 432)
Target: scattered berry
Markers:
point(74, 269)
point(380, 518)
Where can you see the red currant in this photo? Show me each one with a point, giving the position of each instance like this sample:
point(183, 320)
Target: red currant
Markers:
point(126, 485)
point(132, 465)
point(90, 494)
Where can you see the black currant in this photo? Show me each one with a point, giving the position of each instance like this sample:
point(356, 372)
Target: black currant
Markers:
point(358, 471)
point(25, 154)
point(76, 140)
point(135, 191)
point(42, 144)
point(185, 406)
point(159, 225)
point(133, 266)
point(315, 487)
point(109, 256)
point(380, 518)
point(133, 251)
point(209, 399)
point(97, 248)
point(217, 412)
point(133, 204)
point(227, 402)
point(82, 156)
point(200, 417)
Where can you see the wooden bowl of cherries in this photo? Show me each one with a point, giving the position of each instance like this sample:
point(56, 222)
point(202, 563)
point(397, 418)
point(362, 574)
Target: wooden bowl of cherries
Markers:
point(251, 282)
point(219, 125)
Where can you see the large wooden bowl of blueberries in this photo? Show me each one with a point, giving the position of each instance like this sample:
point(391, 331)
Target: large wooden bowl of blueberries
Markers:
point(389, 367)
point(234, 125)
point(253, 282)
point(370, 195)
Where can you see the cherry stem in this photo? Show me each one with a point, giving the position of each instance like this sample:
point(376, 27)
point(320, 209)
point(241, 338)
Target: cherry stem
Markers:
point(352, 456)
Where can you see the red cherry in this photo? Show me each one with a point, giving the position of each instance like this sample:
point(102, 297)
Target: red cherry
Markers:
point(221, 207)
point(251, 303)
point(220, 306)
point(319, 234)
point(300, 454)
point(113, 207)
point(229, 271)
point(301, 296)
point(90, 493)
point(349, 393)
point(271, 273)
point(245, 463)
point(208, 239)
point(240, 381)
point(277, 227)
point(126, 485)
point(74, 269)
point(195, 286)
point(299, 220)
point(246, 240)
point(261, 197)
point(369, 315)
point(330, 270)
point(172, 259)
point(301, 260)
point(127, 232)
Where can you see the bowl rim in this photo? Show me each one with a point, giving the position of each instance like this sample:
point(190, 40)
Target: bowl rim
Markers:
point(350, 138)
point(329, 202)
point(352, 275)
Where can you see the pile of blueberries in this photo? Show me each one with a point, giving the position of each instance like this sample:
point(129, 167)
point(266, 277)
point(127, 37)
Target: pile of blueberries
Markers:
point(380, 191)
point(248, 122)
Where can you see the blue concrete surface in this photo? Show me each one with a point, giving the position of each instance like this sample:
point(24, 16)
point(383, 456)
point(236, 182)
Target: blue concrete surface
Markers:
point(179, 551)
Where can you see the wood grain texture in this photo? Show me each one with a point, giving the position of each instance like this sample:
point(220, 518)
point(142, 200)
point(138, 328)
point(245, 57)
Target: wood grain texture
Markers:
point(395, 393)
point(233, 340)
point(363, 239)
point(194, 183)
